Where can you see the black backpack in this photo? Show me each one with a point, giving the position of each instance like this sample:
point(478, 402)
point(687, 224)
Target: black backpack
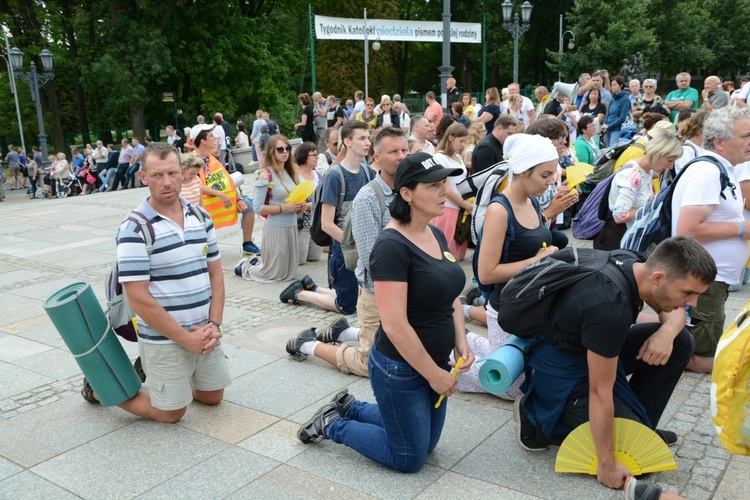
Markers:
point(510, 236)
point(527, 299)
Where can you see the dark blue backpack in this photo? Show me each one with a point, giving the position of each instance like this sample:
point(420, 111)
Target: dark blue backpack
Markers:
point(510, 235)
point(653, 221)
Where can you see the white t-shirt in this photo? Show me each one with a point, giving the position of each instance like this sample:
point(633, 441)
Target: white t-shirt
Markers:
point(700, 185)
point(742, 171)
point(453, 162)
point(218, 131)
point(689, 151)
point(744, 91)
point(526, 107)
point(405, 122)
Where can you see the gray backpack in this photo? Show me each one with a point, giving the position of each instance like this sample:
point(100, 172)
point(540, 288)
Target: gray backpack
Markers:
point(119, 313)
point(348, 245)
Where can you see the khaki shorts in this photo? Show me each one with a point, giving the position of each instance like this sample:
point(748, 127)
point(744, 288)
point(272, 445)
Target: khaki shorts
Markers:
point(170, 369)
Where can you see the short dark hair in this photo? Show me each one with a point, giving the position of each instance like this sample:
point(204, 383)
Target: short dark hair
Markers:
point(304, 149)
point(347, 131)
point(399, 208)
point(685, 114)
point(551, 128)
point(584, 122)
point(159, 149)
point(620, 81)
point(683, 256)
point(386, 132)
point(201, 137)
point(506, 121)
point(430, 94)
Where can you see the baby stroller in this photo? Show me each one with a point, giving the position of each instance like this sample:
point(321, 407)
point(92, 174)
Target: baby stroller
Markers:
point(71, 185)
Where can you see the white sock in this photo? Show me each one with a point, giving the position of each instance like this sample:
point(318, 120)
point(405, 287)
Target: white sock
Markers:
point(309, 348)
point(349, 335)
point(466, 308)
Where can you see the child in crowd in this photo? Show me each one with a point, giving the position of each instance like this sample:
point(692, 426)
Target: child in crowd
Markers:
point(191, 182)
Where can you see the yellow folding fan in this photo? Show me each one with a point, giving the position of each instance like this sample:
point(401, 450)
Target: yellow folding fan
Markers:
point(636, 446)
point(301, 192)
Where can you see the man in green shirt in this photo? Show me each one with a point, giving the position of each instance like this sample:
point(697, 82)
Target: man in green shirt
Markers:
point(684, 97)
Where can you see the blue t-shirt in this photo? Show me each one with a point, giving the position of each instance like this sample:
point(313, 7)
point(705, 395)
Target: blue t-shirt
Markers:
point(353, 183)
point(77, 161)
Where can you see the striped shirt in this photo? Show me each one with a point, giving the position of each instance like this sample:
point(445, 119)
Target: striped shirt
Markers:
point(177, 269)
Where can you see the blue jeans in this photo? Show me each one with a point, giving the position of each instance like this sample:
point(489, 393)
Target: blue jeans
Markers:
point(130, 175)
point(612, 137)
point(120, 172)
point(344, 281)
point(403, 427)
point(106, 177)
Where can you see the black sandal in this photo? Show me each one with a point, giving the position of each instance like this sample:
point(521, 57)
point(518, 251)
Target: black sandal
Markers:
point(88, 393)
point(139, 369)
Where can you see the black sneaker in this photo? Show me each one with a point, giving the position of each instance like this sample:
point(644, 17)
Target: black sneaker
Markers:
point(308, 283)
point(343, 400)
point(288, 293)
point(315, 428)
point(526, 434)
point(330, 334)
point(669, 437)
point(294, 344)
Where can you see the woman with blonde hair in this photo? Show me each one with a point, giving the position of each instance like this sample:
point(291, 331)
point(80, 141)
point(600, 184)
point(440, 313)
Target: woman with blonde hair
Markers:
point(477, 132)
point(490, 111)
point(632, 187)
point(274, 183)
point(448, 155)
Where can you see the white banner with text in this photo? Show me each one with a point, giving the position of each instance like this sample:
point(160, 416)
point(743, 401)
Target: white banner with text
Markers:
point(339, 28)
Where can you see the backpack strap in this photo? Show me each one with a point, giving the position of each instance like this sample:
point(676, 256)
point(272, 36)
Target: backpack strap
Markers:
point(375, 185)
point(510, 234)
point(338, 168)
point(146, 228)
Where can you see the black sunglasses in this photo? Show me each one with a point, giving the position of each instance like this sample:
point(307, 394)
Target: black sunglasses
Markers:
point(282, 149)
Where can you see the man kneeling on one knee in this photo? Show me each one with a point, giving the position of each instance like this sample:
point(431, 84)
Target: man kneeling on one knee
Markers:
point(583, 375)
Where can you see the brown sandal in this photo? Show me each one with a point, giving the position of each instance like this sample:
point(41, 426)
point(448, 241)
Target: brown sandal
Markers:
point(88, 393)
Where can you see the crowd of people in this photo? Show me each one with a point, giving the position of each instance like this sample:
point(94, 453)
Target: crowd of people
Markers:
point(387, 184)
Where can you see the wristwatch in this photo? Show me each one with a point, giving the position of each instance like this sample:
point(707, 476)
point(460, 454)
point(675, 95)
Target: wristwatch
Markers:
point(216, 324)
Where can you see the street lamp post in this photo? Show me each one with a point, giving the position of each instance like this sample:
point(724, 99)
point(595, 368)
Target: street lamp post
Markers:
point(571, 44)
point(375, 47)
point(516, 29)
point(13, 89)
point(34, 80)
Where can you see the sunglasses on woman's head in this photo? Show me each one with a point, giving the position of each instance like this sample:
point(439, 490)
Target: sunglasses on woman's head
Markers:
point(283, 149)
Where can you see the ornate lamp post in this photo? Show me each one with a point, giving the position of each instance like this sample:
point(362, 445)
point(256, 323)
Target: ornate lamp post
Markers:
point(34, 80)
point(516, 29)
point(571, 44)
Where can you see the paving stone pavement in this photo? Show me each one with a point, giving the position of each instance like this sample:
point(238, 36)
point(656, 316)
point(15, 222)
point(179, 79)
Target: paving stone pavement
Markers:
point(55, 445)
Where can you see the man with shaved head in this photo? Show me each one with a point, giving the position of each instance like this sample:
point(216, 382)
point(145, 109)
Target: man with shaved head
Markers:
point(713, 95)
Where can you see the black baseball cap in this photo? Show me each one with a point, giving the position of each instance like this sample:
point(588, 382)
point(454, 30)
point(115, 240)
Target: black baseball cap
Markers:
point(421, 167)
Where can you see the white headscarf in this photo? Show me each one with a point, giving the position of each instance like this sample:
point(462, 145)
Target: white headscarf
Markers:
point(526, 151)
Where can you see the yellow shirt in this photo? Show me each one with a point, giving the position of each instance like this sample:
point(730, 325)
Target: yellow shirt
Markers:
point(371, 122)
point(469, 112)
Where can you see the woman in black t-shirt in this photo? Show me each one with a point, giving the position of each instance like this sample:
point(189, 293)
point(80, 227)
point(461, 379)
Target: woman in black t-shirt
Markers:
point(594, 108)
point(490, 111)
point(533, 163)
point(306, 125)
point(417, 283)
